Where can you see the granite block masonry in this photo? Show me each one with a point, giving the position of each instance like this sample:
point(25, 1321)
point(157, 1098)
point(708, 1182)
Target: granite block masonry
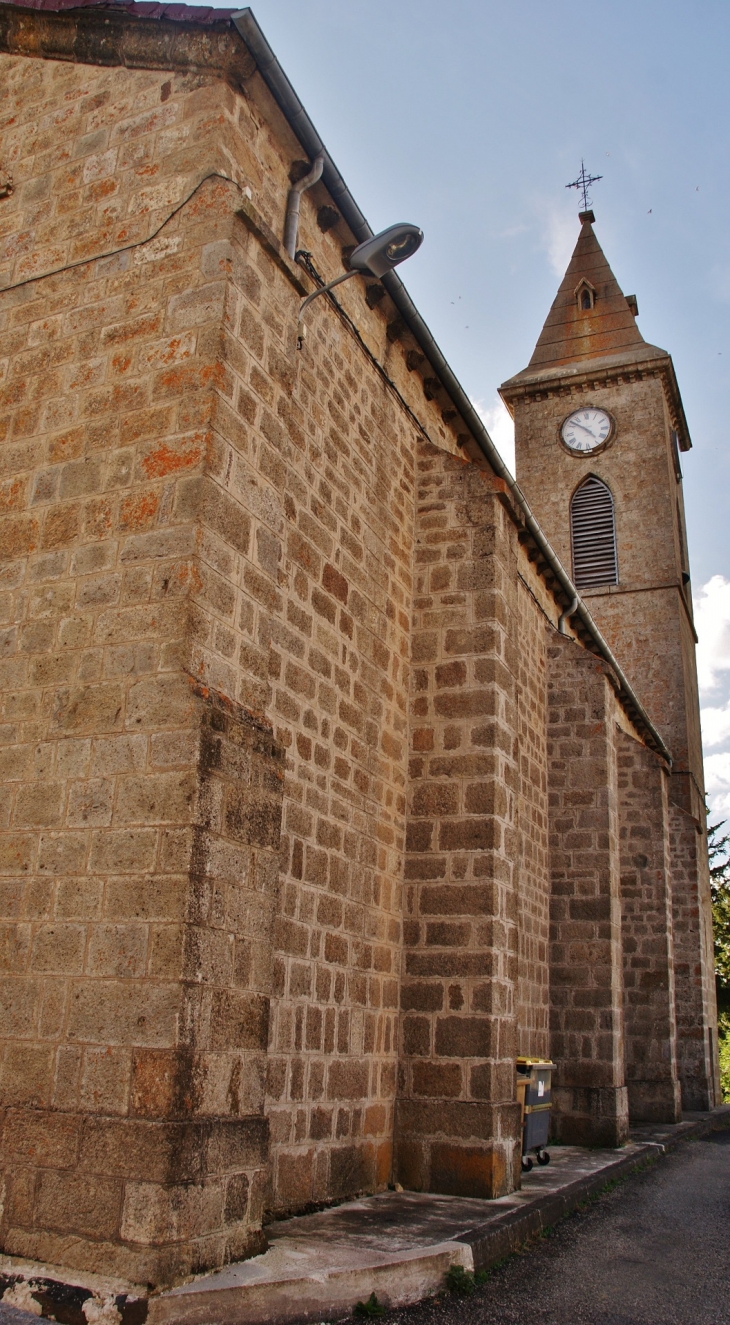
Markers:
point(313, 817)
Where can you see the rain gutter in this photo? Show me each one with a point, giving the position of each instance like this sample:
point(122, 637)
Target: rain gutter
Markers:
point(299, 121)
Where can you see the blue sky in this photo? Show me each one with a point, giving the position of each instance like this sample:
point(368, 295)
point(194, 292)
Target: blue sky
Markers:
point(469, 119)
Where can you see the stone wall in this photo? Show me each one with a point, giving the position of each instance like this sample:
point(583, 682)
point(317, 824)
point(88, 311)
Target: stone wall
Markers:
point(590, 1102)
point(323, 453)
point(134, 1140)
point(457, 1123)
point(194, 513)
point(637, 465)
point(633, 622)
point(693, 964)
point(647, 937)
point(534, 882)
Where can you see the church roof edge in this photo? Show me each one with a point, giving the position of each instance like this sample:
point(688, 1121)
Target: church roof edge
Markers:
point(200, 15)
point(646, 359)
point(640, 355)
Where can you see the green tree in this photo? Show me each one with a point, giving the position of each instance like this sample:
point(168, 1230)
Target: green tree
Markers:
point(718, 844)
point(717, 847)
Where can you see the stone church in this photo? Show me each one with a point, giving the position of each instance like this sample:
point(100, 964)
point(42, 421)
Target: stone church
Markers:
point(339, 768)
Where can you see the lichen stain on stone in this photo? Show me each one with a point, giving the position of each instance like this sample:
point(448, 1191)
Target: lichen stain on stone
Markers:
point(12, 494)
point(138, 512)
point(164, 460)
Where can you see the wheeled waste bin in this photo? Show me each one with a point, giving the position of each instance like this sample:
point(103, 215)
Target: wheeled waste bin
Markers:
point(534, 1092)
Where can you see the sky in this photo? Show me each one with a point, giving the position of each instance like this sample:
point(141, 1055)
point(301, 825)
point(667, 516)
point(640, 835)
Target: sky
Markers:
point(469, 119)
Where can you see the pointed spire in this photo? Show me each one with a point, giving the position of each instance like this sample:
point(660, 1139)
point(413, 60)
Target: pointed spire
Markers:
point(591, 317)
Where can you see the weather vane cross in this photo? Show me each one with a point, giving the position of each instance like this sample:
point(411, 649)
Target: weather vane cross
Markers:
point(583, 182)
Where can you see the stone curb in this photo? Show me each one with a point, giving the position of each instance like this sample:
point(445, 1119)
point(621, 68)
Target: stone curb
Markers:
point(492, 1241)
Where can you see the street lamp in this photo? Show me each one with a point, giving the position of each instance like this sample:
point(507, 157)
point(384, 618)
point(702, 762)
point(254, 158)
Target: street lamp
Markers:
point(373, 258)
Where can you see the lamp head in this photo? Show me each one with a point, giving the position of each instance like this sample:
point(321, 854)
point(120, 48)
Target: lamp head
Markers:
point(384, 251)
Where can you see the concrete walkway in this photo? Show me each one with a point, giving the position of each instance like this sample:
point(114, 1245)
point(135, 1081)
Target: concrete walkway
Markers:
point(398, 1245)
point(654, 1251)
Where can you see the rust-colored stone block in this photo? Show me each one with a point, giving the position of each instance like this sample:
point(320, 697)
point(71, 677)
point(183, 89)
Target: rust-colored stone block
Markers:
point(239, 1021)
point(155, 1084)
point(171, 1214)
point(352, 1169)
point(467, 1171)
point(432, 1080)
point(294, 1178)
point(347, 1080)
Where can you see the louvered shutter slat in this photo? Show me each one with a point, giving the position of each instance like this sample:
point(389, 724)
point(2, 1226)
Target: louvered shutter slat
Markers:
point(593, 535)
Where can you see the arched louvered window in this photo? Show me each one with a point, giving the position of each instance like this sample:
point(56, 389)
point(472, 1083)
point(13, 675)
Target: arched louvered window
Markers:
point(593, 535)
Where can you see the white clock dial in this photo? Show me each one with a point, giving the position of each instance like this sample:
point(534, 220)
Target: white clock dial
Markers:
point(586, 429)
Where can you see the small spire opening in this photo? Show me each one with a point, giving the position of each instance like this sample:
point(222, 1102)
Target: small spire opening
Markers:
point(585, 296)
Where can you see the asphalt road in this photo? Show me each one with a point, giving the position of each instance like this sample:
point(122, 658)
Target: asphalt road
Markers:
point(654, 1251)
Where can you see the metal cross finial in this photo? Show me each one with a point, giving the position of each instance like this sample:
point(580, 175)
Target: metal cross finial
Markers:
point(583, 182)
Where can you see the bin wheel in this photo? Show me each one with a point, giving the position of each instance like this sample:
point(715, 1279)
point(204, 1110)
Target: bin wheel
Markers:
point(543, 1157)
point(526, 1163)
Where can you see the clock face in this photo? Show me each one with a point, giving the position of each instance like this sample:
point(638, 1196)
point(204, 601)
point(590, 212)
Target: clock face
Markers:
point(586, 429)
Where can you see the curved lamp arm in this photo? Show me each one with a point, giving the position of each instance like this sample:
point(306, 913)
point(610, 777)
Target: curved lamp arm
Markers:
point(324, 289)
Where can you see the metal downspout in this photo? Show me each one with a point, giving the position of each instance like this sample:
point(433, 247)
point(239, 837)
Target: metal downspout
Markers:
point(298, 119)
point(294, 202)
point(566, 612)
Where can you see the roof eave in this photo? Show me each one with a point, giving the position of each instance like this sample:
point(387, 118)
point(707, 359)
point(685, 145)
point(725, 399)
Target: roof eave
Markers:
point(648, 359)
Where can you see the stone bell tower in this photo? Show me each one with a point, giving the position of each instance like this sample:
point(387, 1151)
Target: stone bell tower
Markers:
point(599, 429)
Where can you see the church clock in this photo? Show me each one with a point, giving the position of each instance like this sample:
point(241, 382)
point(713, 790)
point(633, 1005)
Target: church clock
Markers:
point(586, 430)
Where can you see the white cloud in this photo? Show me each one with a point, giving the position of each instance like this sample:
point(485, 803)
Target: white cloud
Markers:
point(561, 235)
point(717, 775)
point(712, 620)
point(715, 725)
point(500, 427)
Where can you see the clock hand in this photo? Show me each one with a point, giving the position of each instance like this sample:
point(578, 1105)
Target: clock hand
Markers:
point(576, 424)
